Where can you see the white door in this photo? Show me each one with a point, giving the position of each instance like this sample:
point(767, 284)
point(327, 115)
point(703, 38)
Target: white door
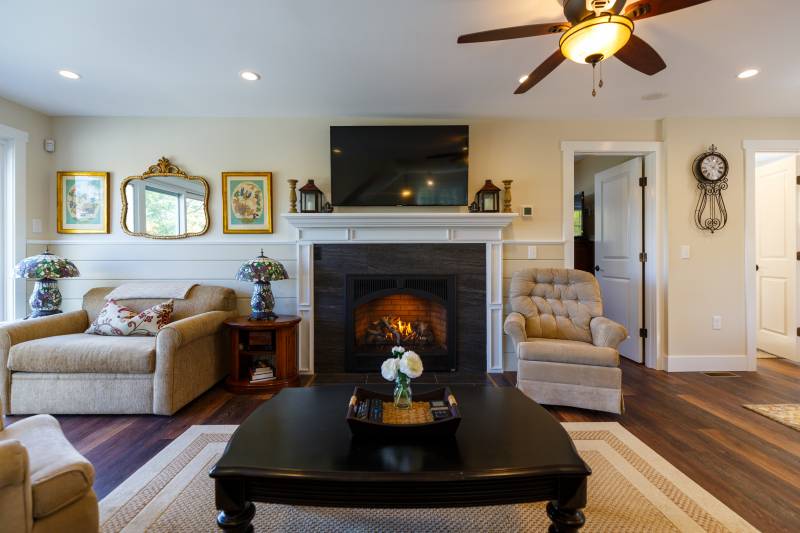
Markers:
point(618, 242)
point(776, 257)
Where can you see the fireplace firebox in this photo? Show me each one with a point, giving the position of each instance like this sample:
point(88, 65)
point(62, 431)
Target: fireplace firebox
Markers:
point(414, 311)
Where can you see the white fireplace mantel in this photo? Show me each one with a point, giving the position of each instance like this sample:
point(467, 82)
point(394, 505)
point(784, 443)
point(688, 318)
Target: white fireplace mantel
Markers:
point(406, 228)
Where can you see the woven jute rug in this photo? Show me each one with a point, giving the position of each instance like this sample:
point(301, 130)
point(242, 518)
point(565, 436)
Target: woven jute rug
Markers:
point(631, 489)
point(787, 414)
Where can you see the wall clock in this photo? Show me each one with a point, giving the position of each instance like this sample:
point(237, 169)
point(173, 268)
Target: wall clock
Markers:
point(711, 172)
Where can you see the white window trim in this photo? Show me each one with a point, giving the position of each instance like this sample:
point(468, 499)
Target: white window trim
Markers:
point(14, 143)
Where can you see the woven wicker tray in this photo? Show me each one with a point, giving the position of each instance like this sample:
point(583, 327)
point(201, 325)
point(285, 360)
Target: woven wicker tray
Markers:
point(414, 423)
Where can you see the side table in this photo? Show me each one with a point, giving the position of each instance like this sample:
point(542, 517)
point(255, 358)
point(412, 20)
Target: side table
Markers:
point(274, 341)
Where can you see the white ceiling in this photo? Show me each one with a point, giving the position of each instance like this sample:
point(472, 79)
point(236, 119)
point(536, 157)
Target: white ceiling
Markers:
point(381, 58)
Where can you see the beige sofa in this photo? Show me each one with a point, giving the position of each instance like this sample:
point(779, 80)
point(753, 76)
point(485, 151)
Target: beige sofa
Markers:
point(566, 350)
point(45, 484)
point(49, 365)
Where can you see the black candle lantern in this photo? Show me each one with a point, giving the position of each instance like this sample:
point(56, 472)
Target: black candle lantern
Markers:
point(311, 198)
point(488, 198)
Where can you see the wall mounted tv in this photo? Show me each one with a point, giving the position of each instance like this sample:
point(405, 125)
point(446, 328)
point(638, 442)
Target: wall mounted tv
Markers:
point(399, 165)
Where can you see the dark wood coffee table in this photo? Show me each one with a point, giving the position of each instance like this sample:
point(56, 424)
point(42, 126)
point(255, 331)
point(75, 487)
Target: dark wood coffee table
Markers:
point(297, 449)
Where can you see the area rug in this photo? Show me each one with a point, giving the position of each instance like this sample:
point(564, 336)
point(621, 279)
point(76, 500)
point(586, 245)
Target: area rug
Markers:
point(787, 414)
point(631, 489)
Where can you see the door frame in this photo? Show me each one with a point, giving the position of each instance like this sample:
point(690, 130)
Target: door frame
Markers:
point(654, 229)
point(12, 217)
point(751, 148)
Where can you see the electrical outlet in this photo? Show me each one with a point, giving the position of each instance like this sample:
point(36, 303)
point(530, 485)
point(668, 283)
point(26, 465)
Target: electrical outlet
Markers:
point(685, 251)
point(716, 322)
point(532, 252)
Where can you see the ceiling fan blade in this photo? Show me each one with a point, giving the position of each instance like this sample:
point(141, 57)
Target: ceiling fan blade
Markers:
point(639, 55)
point(516, 32)
point(541, 72)
point(651, 8)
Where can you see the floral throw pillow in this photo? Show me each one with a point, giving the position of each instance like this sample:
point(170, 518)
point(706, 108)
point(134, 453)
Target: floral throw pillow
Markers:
point(117, 320)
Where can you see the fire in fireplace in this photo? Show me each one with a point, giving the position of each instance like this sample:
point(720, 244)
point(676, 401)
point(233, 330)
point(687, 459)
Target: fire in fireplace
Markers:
point(413, 311)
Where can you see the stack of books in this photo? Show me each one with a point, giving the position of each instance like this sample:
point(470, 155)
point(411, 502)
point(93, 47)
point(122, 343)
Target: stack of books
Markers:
point(261, 372)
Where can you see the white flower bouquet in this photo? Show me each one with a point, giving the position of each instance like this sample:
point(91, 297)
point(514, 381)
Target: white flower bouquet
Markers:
point(401, 368)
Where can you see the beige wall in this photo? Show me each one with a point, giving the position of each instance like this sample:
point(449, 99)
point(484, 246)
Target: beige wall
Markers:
point(710, 282)
point(39, 163)
point(526, 151)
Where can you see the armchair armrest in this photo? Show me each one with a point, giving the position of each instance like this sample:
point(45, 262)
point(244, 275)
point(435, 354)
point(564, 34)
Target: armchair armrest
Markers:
point(13, 464)
point(38, 328)
point(514, 326)
point(16, 506)
point(607, 333)
point(176, 361)
point(182, 332)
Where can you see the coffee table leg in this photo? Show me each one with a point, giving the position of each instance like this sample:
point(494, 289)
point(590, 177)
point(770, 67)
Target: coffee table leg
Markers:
point(237, 513)
point(565, 513)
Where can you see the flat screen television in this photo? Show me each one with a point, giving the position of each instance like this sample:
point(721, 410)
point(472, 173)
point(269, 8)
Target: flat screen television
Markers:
point(399, 165)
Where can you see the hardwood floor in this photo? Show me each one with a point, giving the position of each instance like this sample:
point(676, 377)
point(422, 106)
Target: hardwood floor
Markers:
point(695, 421)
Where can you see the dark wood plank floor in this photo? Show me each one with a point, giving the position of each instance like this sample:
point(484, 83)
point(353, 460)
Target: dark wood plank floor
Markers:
point(696, 422)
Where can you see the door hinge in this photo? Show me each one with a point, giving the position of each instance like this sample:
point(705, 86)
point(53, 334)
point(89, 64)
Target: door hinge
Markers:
point(643, 333)
point(643, 181)
point(643, 257)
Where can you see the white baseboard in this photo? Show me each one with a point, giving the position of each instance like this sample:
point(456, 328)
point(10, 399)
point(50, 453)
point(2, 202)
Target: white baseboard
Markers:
point(706, 363)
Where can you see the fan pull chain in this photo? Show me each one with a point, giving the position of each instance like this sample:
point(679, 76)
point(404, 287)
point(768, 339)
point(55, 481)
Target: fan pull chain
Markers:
point(595, 74)
point(600, 72)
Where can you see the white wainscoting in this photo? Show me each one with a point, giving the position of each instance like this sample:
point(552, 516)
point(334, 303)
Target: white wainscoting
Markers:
point(108, 264)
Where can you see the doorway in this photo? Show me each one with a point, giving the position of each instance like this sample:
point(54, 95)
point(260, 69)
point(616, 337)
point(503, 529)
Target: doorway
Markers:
point(770, 284)
point(608, 238)
point(776, 249)
point(632, 284)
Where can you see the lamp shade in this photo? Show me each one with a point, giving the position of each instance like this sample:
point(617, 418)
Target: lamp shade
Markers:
point(261, 269)
point(596, 39)
point(46, 266)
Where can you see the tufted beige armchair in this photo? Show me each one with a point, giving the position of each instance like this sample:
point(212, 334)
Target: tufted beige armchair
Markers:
point(566, 349)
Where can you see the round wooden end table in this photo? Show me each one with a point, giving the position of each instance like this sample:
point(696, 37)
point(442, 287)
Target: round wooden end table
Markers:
point(262, 343)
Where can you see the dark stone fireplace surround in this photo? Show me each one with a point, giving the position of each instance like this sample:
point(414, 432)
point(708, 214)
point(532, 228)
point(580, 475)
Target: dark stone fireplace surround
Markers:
point(334, 262)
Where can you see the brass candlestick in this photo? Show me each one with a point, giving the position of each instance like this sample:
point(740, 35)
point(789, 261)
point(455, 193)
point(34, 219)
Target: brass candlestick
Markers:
point(292, 196)
point(507, 196)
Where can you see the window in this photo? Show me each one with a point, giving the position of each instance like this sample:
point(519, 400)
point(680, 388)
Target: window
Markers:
point(4, 274)
point(162, 214)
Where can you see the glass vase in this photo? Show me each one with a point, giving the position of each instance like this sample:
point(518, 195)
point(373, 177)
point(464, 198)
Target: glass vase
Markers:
point(402, 392)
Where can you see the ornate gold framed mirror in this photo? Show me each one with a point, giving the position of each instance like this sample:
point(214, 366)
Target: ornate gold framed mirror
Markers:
point(164, 203)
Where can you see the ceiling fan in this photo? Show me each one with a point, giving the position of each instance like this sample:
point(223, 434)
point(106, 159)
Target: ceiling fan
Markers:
point(594, 31)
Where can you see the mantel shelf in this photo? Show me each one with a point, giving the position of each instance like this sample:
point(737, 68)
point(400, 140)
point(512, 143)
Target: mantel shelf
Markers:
point(444, 226)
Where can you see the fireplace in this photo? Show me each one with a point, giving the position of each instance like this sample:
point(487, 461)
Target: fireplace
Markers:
point(414, 311)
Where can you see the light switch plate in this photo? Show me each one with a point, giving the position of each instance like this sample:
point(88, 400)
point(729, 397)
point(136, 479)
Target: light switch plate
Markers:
point(36, 225)
point(532, 252)
point(716, 322)
point(685, 251)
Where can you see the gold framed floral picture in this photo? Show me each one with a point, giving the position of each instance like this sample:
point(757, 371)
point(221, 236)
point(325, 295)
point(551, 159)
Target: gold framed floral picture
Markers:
point(82, 202)
point(247, 202)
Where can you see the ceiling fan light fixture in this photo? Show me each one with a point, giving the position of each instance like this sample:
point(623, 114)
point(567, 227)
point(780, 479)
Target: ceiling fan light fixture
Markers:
point(596, 39)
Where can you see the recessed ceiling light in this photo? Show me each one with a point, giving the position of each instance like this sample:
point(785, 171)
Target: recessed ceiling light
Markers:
point(749, 73)
point(523, 79)
point(69, 74)
point(249, 75)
